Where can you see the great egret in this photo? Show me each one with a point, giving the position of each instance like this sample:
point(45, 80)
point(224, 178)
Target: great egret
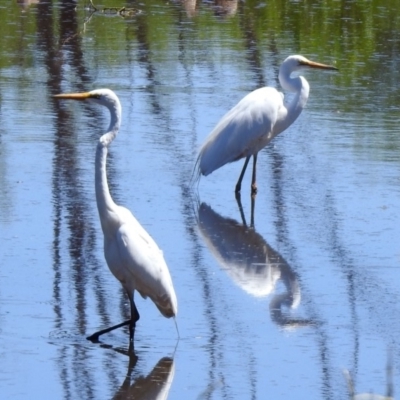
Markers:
point(255, 121)
point(131, 254)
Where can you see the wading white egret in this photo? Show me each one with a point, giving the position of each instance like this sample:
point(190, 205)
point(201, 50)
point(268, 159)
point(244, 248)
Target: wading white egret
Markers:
point(255, 121)
point(131, 254)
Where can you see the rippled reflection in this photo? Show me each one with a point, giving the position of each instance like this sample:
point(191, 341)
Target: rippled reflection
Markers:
point(225, 8)
point(26, 3)
point(371, 396)
point(251, 262)
point(154, 386)
point(190, 7)
point(221, 8)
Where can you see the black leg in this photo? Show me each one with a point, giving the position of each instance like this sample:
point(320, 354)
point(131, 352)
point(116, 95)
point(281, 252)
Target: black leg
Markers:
point(95, 337)
point(239, 203)
point(134, 318)
point(131, 322)
point(239, 182)
point(253, 179)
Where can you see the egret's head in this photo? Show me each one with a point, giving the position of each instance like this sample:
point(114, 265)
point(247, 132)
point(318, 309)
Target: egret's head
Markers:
point(296, 62)
point(104, 97)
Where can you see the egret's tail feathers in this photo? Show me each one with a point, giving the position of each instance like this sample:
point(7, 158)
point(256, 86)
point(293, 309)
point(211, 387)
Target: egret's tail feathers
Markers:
point(166, 312)
point(167, 305)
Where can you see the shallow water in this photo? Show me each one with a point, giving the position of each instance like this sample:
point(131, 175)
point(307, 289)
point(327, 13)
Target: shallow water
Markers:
point(276, 310)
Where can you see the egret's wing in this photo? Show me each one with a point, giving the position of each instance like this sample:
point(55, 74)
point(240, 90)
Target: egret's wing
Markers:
point(143, 267)
point(243, 131)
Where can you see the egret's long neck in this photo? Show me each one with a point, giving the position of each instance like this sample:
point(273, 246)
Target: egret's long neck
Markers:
point(105, 203)
point(300, 86)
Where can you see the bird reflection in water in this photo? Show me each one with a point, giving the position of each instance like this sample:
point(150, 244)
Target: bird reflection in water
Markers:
point(154, 386)
point(225, 8)
point(371, 396)
point(251, 262)
point(190, 7)
point(24, 4)
point(221, 8)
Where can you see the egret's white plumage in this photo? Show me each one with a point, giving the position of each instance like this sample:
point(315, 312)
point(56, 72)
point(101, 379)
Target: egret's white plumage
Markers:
point(255, 121)
point(131, 254)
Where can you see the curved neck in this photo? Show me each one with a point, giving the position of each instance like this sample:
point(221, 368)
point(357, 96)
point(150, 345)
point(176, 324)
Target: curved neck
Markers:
point(115, 122)
point(300, 86)
point(105, 203)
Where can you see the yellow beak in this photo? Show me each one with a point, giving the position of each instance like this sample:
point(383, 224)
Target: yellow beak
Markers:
point(73, 96)
point(314, 64)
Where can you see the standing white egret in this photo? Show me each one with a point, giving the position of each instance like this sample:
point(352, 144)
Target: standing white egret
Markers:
point(131, 254)
point(255, 121)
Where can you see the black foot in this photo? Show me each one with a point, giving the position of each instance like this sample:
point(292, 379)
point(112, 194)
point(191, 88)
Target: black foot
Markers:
point(95, 337)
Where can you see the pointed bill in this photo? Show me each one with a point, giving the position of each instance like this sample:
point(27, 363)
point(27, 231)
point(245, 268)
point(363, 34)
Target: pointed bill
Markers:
point(314, 64)
point(73, 96)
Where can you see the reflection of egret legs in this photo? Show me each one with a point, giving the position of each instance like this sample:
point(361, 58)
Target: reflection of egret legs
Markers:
point(155, 385)
point(389, 376)
point(253, 203)
point(239, 202)
point(133, 358)
point(131, 322)
point(124, 391)
point(253, 179)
